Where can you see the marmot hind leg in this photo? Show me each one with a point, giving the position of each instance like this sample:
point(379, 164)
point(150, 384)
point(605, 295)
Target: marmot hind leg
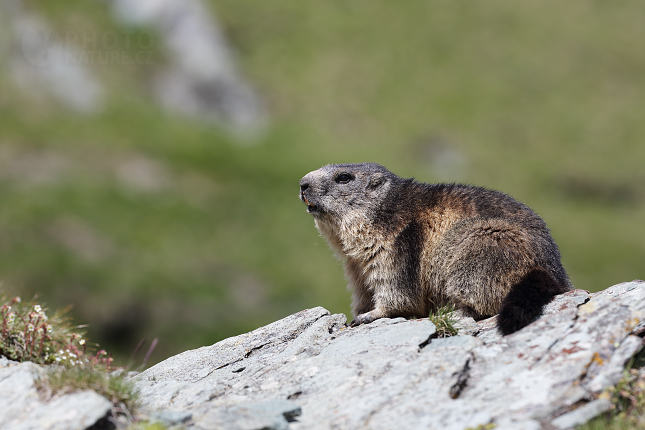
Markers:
point(495, 265)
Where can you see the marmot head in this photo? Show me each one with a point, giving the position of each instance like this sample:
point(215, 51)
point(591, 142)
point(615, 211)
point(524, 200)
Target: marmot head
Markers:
point(335, 190)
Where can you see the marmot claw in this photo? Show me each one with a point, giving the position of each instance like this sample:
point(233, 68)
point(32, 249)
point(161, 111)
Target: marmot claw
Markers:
point(365, 318)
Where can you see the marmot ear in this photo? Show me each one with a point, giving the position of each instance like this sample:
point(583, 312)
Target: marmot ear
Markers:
point(376, 180)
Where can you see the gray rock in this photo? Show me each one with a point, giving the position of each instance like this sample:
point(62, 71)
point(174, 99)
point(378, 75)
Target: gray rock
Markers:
point(467, 325)
point(202, 79)
point(266, 415)
point(396, 374)
point(170, 417)
point(41, 63)
point(79, 410)
point(582, 414)
point(311, 371)
point(569, 300)
point(486, 330)
point(23, 409)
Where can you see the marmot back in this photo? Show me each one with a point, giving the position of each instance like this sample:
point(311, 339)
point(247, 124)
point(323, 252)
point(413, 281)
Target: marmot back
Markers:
point(410, 248)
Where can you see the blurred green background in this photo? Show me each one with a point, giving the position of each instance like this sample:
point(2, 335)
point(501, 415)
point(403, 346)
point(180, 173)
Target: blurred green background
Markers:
point(542, 100)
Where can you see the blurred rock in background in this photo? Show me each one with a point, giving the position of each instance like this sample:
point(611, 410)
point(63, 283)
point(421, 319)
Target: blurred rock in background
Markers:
point(40, 65)
point(200, 79)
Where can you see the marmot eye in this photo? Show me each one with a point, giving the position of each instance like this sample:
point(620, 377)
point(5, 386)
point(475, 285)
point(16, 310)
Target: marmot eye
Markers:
point(344, 178)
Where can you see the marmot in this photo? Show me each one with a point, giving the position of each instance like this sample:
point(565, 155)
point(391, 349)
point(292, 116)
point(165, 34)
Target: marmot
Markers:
point(410, 248)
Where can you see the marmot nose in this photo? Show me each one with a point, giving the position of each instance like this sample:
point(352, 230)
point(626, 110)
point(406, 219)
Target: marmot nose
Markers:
point(303, 187)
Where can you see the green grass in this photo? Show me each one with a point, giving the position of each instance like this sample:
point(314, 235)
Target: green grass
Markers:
point(489, 426)
point(627, 411)
point(618, 422)
point(444, 321)
point(27, 333)
point(543, 101)
point(70, 363)
point(120, 391)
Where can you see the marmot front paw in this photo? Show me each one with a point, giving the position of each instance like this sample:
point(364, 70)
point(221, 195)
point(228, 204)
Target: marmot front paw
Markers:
point(365, 318)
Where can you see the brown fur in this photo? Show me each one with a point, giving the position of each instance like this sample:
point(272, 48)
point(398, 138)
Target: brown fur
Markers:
point(410, 248)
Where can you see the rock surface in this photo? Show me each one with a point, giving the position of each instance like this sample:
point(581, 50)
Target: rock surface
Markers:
point(309, 371)
point(21, 408)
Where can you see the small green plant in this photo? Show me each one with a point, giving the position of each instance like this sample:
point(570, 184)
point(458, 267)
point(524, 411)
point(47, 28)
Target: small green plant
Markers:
point(113, 386)
point(27, 333)
point(445, 321)
point(489, 426)
point(627, 405)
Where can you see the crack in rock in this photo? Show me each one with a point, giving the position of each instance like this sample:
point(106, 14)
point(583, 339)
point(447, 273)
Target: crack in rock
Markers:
point(462, 378)
point(252, 350)
point(427, 341)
